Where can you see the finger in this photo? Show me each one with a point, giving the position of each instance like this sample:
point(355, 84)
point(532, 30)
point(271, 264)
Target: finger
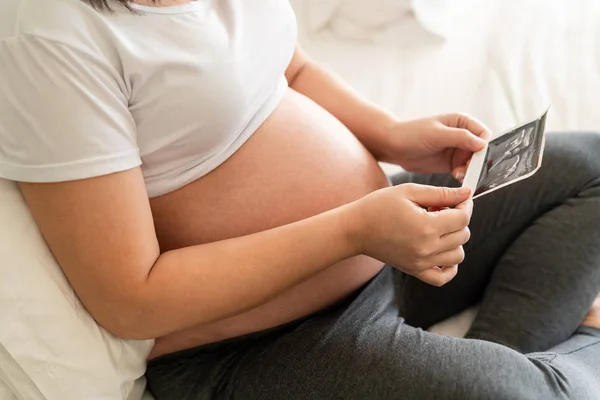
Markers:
point(467, 132)
point(459, 173)
point(464, 139)
point(466, 206)
point(472, 124)
point(450, 257)
point(453, 240)
point(432, 196)
point(461, 159)
point(436, 209)
point(438, 276)
point(451, 220)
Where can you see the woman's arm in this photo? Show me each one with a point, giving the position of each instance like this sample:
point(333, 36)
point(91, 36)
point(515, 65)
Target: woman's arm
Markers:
point(440, 144)
point(101, 232)
point(370, 123)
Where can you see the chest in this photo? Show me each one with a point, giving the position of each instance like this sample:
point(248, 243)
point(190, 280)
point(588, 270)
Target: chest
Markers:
point(202, 74)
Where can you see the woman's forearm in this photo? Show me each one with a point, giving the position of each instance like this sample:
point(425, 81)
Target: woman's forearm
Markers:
point(205, 283)
point(101, 232)
point(367, 121)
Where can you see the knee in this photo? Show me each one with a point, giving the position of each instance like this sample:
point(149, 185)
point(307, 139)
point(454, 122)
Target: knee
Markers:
point(574, 147)
point(573, 156)
point(503, 387)
point(497, 387)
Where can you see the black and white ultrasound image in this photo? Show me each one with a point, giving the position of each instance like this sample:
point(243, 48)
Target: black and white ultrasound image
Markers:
point(512, 155)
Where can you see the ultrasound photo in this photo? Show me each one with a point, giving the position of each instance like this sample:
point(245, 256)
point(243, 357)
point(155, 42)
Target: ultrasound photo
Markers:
point(512, 155)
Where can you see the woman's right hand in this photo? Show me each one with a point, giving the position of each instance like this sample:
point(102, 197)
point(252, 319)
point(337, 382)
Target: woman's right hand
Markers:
point(394, 226)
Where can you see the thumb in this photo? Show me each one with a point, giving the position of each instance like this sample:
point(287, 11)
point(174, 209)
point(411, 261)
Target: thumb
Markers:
point(433, 196)
point(464, 139)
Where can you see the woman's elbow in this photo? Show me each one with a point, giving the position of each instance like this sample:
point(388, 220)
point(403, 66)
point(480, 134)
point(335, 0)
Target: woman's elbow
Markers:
point(127, 330)
point(127, 320)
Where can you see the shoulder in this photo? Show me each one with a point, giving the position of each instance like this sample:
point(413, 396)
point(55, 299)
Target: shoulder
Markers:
point(68, 34)
point(71, 23)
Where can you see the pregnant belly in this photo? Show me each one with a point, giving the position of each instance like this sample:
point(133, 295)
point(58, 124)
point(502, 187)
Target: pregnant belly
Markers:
point(300, 162)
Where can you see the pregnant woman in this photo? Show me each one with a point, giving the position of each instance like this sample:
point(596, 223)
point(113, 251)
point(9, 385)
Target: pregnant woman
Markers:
point(203, 182)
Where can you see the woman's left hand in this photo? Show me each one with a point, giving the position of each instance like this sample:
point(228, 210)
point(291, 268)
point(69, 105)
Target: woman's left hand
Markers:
point(439, 144)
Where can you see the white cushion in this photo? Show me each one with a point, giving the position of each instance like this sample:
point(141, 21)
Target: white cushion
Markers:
point(44, 327)
point(380, 21)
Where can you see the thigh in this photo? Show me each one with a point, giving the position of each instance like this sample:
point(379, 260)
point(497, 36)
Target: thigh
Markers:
point(366, 352)
point(571, 169)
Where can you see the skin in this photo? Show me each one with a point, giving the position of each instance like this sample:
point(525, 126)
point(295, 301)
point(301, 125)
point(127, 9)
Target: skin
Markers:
point(593, 317)
point(242, 248)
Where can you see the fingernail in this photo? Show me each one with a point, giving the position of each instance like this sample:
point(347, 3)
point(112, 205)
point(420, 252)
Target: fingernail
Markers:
point(460, 175)
point(478, 143)
point(464, 190)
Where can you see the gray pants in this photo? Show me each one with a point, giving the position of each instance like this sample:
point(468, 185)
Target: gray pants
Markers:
point(533, 264)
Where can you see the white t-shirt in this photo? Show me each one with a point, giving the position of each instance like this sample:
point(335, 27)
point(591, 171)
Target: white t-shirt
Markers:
point(176, 89)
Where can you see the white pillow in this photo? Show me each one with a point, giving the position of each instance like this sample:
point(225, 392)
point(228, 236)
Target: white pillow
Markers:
point(13, 380)
point(380, 21)
point(5, 393)
point(45, 328)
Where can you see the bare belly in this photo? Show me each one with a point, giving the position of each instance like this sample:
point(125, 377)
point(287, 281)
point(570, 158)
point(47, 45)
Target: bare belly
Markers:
point(300, 162)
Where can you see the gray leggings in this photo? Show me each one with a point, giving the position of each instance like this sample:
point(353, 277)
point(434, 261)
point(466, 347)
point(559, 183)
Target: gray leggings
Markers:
point(533, 264)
